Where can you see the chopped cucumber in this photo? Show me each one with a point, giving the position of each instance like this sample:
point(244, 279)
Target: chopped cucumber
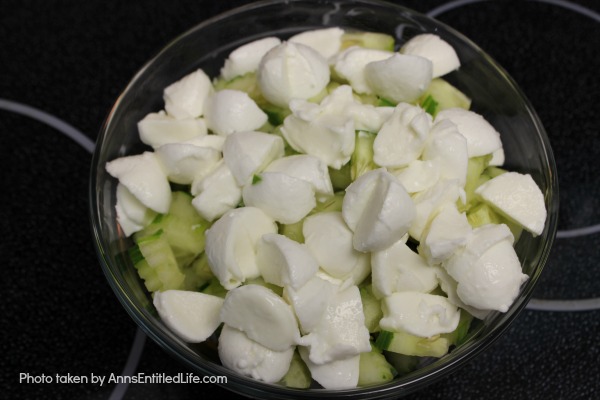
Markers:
point(370, 40)
point(493, 171)
point(341, 178)
point(429, 105)
point(483, 213)
point(411, 345)
point(214, 287)
point(475, 168)
point(374, 368)
point(198, 274)
point(371, 308)
point(183, 226)
point(298, 375)
point(445, 95)
point(156, 263)
point(402, 363)
point(362, 158)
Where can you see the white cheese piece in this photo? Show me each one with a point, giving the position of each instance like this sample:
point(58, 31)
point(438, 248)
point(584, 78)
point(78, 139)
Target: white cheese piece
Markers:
point(262, 315)
point(326, 41)
point(213, 141)
point(487, 271)
point(350, 65)
point(310, 301)
point(193, 316)
point(338, 374)
point(498, 158)
point(308, 168)
point(378, 210)
point(400, 78)
point(481, 136)
point(186, 97)
point(292, 71)
point(231, 244)
point(216, 193)
point(323, 130)
point(447, 231)
point(420, 314)
point(284, 198)
point(418, 176)
point(184, 162)
point(449, 149)
point(246, 58)
point(429, 201)
point(399, 269)
point(341, 333)
point(249, 358)
point(132, 215)
point(329, 239)
point(156, 129)
point(228, 111)
point(143, 175)
point(367, 117)
point(441, 54)
point(402, 137)
point(449, 286)
point(518, 197)
point(248, 153)
point(284, 262)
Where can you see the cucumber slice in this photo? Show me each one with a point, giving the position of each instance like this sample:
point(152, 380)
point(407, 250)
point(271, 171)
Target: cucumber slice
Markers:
point(411, 345)
point(445, 95)
point(183, 226)
point(402, 363)
point(370, 40)
point(483, 213)
point(298, 375)
point(362, 158)
point(475, 168)
point(371, 308)
point(198, 274)
point(341, 178)
point(156, 263)
point(374, 368)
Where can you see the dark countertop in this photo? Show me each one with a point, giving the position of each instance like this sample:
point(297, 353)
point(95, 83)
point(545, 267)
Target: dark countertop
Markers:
point(70, 59)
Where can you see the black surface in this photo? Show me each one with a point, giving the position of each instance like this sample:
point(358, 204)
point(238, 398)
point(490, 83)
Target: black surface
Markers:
point(72, 58)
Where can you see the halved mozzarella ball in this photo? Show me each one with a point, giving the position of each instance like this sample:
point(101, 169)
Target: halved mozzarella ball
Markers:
point(400, 78)
point(441, 54)
point(308, 168)
point(448, 148)
point(186, 97)
point(284, 262)
point(310, 301)
point(216, 193)
point(249, 358)
point(350, 65)
point(399, 269)
point(418, 175)
point(132, 215)
point(378, 210)
point(144, 177)
point(292, 71)
point(338, 374)
point(447, 232)
point(185, 162)
point(248, 153)
point(231, 244)
point(402, 137)
point(518, 197)
point(341, 332)
point(282, 197)
point(262, 315)
point(228, 111)
point(420, 314)
point(193, 316)
point(326, 41)
point(156, 129)
point(329, 239)
point(246, 58)
point(482, 137)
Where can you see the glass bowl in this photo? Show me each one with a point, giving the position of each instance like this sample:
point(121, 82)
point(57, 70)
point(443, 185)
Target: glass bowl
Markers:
point(494, 95)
